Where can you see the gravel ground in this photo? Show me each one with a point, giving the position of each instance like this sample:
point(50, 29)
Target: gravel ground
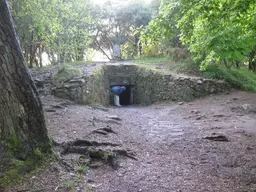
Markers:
point(175, 146)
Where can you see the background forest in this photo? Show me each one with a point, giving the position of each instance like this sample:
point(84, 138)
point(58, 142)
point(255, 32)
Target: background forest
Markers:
point(214, 38)
point(185, 44)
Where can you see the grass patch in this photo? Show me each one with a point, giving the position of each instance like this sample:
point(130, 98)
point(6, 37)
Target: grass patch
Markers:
point(15, 172)
point(152, 60)
point(14, 175)
point(76, 63)
point(186, 66)
point(237, 77)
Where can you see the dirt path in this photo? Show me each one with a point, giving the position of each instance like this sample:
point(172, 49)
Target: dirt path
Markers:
point(172, 154)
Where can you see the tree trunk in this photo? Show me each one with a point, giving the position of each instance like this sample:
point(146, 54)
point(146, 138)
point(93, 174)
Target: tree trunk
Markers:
point(101, 49)
point(26, 54)
point(31, 58)
point(252, 64)
point(136, 44)
point(59, 42)
point(52, 57)
point(32, 51)
point(22, 124)
point(41, 50)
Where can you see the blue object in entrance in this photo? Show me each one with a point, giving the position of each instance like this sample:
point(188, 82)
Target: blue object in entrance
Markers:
point(118, 90)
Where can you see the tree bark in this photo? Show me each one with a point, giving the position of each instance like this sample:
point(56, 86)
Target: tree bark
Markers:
point(41, 50)
point(22, 124)
point(252, 64)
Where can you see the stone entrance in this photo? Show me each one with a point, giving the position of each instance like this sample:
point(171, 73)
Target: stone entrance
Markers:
point(144, 86)
point(126, 98)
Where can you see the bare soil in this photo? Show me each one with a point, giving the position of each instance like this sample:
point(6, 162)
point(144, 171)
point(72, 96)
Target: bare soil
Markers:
point(173, 144)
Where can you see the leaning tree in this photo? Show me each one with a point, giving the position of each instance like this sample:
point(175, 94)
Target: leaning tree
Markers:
point(22, 124)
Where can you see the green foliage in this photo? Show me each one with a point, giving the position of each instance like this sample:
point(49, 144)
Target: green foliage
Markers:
point(60, 27)
point(82, 168)
point(106, 155)
point(14, 174)
point(161, 27)
point(216, 31)
point(69, 185)
point(155, 5)
point(13, 144)
point(37, 156)
point(237, 77)
point(151, 50)
point(128, 50)
point(119, 27)
point(186, 66)
point(11, 177)
point(134, 15)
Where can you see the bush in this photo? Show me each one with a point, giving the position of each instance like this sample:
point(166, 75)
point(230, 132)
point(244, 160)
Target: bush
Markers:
point(187, 66)
point(237, 77)
point(151, 50)
point(128, 50)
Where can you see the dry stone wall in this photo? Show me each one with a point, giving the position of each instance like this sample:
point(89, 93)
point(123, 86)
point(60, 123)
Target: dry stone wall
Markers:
point(150, 86)
point(75, 90)
point(155, 87)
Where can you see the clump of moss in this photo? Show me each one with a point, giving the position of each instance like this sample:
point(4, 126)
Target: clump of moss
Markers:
point(13, 144)
point(14, 173)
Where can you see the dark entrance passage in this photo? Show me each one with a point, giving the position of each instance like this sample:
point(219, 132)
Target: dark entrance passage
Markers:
point(126, 98)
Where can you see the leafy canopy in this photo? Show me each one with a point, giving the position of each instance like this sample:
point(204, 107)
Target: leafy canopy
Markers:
point(214, 30)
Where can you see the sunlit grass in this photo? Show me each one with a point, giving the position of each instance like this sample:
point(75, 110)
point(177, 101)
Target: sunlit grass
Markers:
point(153, 60)
point(240, 78)
point(185, 66)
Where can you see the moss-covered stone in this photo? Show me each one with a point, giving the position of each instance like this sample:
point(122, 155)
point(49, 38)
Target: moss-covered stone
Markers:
point(150, 86)
point(66, 74)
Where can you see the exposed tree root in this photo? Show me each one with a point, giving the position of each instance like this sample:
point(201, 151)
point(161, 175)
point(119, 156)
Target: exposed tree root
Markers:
point(57, 107)
point(100, 132)
point(126, 153)
point(108, 121)
point(93, 150)
point(87, 143)
point(100, 108)
point(217, 137)
point(104, 131)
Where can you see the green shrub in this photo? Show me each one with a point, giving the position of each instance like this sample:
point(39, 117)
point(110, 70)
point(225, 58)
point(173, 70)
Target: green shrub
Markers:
point(151, 50)
point(237, 77)
point(187, 66)
point(128, 50)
